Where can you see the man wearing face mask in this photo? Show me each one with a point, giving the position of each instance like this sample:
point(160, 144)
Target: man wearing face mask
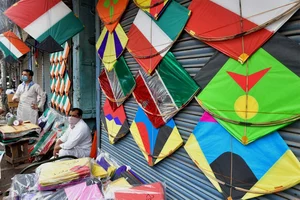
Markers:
point(30, 96)
point(77, 139)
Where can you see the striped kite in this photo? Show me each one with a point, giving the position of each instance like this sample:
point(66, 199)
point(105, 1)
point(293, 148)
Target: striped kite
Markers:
point(50, 22)
point(154, 7)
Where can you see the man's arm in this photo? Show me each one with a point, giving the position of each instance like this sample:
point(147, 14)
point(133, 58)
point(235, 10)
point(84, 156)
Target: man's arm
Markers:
point(17, 95)
point(57, 147)
point(42, 94)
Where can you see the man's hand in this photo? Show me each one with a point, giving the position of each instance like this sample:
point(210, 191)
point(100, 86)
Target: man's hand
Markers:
point(34, 106)
point(16, 100)
point(57, 147)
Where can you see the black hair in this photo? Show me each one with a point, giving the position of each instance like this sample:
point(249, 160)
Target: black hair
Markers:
point(29, 71)
point(78, 110)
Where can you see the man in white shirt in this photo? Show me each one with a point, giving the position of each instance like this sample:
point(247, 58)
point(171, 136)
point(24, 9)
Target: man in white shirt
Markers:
point(27, 95)
point(77, 139)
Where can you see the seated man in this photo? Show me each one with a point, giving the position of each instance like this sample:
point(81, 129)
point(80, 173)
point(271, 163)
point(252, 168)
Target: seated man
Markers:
point(77, 139)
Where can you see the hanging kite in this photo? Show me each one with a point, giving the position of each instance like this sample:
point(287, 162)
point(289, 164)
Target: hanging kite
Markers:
point(155, 143)
point(242, 172)
point(150, 40)
point(164, 93)
point(154, 7)
point(110, 12)
point(117, 84)
point(51, 23)
point(67, 83)
point(114, 121)
point(238, 28)
point(67, 104)
point(64, 57)
point(12, 47)
point(110, 46)
point(239, 96)
point(53, 84)
point(53, 100)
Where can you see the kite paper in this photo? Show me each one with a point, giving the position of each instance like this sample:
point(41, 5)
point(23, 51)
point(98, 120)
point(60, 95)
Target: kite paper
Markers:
point(239, 96)
point(114, 121)
point(238, 30)
point(67, 104)
point(117, 84)
point(150, 40)
point(53, 99)
point(110, 46)
point(53, 84)
point(242, 172)
point(110, 12)
point(155, 143)
point(154, 7)
point(51, 23)
point(67, 83)
point(11, 46)
point(164, 93)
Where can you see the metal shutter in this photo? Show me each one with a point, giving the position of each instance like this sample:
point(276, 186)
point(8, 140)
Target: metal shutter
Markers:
point(183, 179)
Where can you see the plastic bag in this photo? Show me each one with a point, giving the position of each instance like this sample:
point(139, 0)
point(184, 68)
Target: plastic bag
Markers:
point(107, 162)
point(21, 184)
point(62, 173)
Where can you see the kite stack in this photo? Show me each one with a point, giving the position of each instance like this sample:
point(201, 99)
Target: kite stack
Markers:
point(236, 143)
point(60, 81)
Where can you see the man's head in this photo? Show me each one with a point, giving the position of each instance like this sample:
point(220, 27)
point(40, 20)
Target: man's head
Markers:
point(27, 75)
point(74, 116)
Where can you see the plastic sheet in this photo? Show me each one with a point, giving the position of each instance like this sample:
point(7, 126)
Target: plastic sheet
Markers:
point(62, 173)
point(22, 184)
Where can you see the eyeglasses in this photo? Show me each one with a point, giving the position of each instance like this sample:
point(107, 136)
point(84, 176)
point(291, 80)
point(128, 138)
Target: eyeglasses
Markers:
point(75, 115)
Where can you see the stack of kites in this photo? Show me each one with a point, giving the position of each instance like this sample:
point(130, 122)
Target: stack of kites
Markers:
point(247, 96)
point(60, 82)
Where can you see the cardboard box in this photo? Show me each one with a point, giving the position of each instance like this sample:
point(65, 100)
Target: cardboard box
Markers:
point(10, 102)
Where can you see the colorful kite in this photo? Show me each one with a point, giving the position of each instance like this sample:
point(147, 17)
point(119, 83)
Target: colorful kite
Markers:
point(164, 93)
point(53, 84)
point(239, 96)
point(67, 104)
point(110, 46)
point(12, 47)
point(53, 100)
point(150, 40)
point(67, 83)
point(155, 143)
point(51, 23)
point(242, 172)
point(154, 7)
point(57, 85)
point(114, 121)
point(238, 29)
point(117, 84)
point(110, 12)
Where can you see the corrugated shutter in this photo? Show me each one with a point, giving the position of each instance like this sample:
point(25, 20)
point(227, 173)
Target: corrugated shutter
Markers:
point(183, 179)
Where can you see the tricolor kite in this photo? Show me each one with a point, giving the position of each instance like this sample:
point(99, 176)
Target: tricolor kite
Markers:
point(67, 83)
point(12, 47)
point(66, 104)
point(238, 28)
point(110, 12)
point(117, 84)
point(256, 98)
point(114, 121)
point(154, 7)
point(110, 46)
point(242, 172)
point(155, 143)
point(164, 93)
point(50, 22)
point(150, 40)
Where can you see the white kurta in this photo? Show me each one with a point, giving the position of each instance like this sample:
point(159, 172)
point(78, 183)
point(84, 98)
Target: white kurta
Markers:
point(76, 141)
point(28, 95)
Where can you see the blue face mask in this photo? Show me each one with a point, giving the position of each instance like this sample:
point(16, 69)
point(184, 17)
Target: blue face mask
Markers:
point(24, 78)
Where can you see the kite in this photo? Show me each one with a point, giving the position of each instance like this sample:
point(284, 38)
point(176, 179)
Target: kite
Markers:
point(155, 143)
point(57, 102)
point(57, 85)
point(239, 96)
point(247, 25)
point(64, 59)
point(51, 23)
point(67, 83)
point(114, 121)
point(110, 12)
point(242, 172)
point(53, 100)
point(110, 46)
point(67, 104)
point(150, 40)
point(164, 93)
point(154, 7)
point(62, 86)
point(53, 84)
point(12, 47)
point(117, 84)
point(52, 70)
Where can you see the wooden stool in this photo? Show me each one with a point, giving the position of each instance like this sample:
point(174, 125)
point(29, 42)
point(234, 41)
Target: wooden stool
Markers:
point(17, 152)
